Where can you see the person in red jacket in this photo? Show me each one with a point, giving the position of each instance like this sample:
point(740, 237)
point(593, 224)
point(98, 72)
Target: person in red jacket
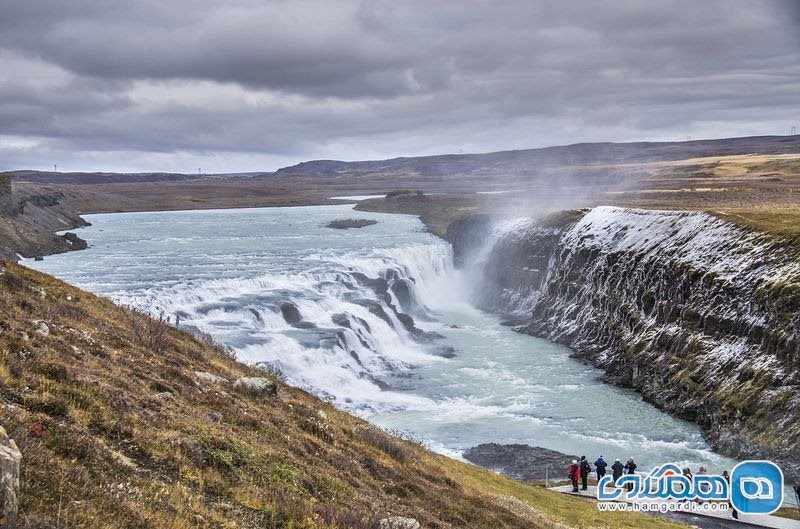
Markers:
point(574, 474)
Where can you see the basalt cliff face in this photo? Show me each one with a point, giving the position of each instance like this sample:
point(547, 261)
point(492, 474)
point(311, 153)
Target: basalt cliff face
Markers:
point(697, 314)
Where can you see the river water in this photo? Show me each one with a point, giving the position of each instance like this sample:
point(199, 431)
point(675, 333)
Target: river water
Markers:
point(325, 307)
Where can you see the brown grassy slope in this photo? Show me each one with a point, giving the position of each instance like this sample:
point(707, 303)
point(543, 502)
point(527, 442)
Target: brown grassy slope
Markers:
point(754, 190)
point(134, 438)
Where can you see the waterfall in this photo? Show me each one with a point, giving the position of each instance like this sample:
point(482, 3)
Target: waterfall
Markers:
point(341, 329)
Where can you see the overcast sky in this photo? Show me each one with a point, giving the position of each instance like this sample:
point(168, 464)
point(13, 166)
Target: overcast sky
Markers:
point(245, 85)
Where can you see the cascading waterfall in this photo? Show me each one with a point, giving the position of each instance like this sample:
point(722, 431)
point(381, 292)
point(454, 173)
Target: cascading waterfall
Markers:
point(341, 329)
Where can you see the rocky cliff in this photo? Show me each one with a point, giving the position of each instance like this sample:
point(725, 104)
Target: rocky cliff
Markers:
point(697, 314)
point(5, 192)
point(29, 218)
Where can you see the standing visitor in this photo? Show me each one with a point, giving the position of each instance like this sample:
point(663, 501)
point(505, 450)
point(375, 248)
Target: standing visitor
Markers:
point(585, 469)
point(630, 468)
point(705, 487)
point(600, 465)
point(574, 475)
point(734, 512)
point(616, 470)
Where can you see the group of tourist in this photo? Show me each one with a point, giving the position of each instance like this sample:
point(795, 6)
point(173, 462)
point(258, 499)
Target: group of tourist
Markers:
point(579, 471)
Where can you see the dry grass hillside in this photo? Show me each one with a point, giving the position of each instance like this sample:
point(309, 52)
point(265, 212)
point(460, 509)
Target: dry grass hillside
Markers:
point(122, 425)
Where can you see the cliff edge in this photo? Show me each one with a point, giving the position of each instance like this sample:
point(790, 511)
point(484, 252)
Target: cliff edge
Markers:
point(29, 219)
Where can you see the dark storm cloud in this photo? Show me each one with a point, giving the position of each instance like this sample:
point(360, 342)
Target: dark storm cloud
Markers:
point(251, 82)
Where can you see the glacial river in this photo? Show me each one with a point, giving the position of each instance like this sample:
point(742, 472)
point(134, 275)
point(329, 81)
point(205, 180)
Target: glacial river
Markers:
point(324, 307)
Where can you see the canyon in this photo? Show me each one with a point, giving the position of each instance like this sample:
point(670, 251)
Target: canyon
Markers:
point(697, 314)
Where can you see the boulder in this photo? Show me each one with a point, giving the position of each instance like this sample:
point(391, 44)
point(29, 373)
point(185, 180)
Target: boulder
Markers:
point(210, 377)
point(75, 242)
point(257, 385)
point(399, 522)
point(10, 459)
point(41, 328)
point(291, 313)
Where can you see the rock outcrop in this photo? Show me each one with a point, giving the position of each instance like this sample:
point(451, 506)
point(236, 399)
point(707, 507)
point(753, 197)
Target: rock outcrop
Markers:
point(521, 462)
point(257, 385)
point(10, 460)
point(399, 522)
point(75, 242)
point(346, 224)
point(698, 315)
point(29, 219)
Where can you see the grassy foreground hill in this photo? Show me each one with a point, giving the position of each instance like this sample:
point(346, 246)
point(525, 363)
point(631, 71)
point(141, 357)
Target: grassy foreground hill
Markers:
point(125, 422)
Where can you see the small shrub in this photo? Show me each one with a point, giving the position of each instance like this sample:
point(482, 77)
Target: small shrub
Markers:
point(53, 371)
point(149, 332)
point(12, 281)
point(49, 405)
point(384, 442)
point(317, 428)
point(221, 350)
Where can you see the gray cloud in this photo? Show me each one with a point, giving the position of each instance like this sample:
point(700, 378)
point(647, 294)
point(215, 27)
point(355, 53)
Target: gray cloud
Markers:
point(252, 85)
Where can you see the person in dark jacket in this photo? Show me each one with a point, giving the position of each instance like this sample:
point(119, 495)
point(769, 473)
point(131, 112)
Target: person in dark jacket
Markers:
point(574, 475)
point(630, 468)
point(734, 512)
point(585, 469)
point(600, 465)
point(616, 470)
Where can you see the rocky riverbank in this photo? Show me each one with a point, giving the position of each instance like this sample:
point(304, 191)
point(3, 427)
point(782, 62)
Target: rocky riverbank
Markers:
point(521, 462)
point(29, 220)
point(699, 315)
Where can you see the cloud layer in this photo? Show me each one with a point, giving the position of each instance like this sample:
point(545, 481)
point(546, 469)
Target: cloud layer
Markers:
point(249, 85)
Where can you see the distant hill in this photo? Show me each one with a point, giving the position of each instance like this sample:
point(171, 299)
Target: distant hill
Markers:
point(50, 177)
point(529, 160)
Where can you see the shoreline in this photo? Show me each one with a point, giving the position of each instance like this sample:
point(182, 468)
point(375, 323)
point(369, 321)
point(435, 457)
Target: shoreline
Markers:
point(49, 238)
